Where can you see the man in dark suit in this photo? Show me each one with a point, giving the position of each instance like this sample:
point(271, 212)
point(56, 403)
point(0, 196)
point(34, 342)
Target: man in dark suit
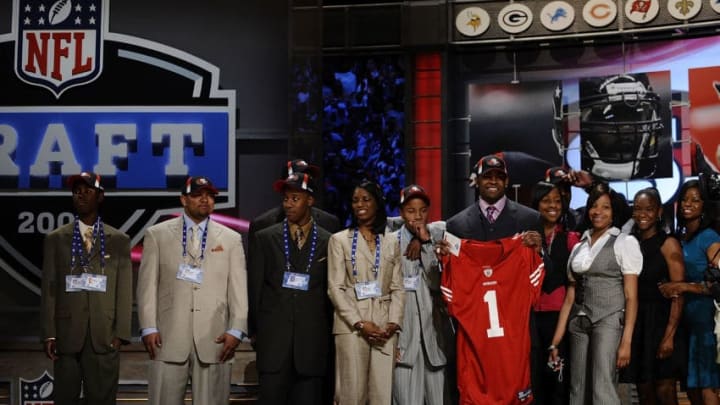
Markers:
point(289, 302)
point(494, 216)
point(86, 299)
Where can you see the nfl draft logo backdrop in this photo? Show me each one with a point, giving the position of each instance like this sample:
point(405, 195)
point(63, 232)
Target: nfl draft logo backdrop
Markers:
point(38, 391)
point(142, 115)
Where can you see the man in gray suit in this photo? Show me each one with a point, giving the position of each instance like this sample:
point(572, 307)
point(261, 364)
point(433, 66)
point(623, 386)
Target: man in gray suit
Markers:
point(86, 299)
point(419, 371)
point(192, 300)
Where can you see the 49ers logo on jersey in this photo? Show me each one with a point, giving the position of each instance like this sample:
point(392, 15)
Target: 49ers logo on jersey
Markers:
point(59, 43)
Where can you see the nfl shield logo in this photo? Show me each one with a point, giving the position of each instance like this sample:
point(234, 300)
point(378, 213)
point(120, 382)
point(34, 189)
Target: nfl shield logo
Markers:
point(487, 271)
point(59, 44)
point(38, 391)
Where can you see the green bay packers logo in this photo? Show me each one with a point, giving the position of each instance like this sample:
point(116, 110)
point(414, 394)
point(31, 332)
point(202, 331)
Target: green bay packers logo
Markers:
point(515, 18)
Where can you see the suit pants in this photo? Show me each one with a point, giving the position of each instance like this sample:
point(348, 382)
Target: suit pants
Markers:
point(419, 384)
point(168, 382)
point(593, 354)
point(363, 374)
point(286, 386)
point(97, 373)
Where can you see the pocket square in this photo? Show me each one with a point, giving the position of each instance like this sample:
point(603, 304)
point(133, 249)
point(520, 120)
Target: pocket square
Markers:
point(217, 248)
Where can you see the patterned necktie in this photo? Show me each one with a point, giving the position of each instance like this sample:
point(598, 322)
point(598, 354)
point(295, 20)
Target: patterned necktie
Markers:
point(88, 239)
point(195, 240)
point(299, 238)
point(490, 213)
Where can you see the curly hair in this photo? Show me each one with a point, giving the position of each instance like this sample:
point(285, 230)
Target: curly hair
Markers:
point(706, 221)
point(540, 190)
point(620, 208)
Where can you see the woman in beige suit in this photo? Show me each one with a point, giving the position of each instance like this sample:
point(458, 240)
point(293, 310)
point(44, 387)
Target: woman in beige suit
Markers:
point(366, 289)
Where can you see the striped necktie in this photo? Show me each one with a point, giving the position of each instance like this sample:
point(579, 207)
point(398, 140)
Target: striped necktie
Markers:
point(490, 213)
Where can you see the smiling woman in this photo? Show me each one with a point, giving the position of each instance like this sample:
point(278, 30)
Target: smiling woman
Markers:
point(657, 350)
point(600, 306)
point(548, 201)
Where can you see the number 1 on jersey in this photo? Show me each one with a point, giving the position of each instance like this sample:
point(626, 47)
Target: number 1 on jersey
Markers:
point(495, 329)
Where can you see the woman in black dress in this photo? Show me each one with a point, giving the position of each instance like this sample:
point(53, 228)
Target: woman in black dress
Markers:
point(656, 355)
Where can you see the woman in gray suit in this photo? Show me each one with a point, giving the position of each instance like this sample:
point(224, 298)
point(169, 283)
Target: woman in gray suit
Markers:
point(601, 301)
point(366, 288)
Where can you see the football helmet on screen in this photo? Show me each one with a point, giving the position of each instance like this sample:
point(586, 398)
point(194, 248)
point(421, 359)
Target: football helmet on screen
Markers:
point(620, 126)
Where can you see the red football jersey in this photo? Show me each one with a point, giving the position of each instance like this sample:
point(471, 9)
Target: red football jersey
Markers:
point(490, 288)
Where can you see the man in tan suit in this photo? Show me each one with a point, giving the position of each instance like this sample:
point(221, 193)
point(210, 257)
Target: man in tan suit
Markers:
point(192, 300)
point(86, 299)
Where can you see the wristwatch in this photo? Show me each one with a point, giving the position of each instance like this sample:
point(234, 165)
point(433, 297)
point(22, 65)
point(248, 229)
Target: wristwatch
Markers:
point(359, 325)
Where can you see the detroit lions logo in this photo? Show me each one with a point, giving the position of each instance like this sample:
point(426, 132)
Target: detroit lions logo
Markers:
point(558, 14)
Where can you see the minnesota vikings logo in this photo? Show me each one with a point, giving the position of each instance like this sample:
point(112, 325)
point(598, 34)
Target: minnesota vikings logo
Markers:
point(473, 20)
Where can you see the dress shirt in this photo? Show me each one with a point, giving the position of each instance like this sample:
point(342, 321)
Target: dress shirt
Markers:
point(626, 249)
point(499, 206)
point(306, 230)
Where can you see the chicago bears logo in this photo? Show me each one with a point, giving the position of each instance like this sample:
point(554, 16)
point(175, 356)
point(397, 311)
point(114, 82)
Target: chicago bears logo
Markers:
point(599, 13)
point(59, 46)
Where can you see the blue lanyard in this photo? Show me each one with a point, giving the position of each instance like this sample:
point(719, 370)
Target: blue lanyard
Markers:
point(313, 245)
point(77, 248)
point(202, 244)
point(353, 252)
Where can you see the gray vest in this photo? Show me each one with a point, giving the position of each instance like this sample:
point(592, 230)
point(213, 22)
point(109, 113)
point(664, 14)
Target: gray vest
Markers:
point(599, 291)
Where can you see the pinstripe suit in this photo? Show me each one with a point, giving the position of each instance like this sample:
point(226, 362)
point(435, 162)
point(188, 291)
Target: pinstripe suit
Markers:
point(595, 327)
point(419, 374)
point(363, 373)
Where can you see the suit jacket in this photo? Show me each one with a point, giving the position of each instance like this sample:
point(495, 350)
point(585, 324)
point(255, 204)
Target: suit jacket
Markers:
point(183, 312)
point(68, 316)
point(418, 329)
point(289, 322)
point(341, 283)
point(471, 223)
